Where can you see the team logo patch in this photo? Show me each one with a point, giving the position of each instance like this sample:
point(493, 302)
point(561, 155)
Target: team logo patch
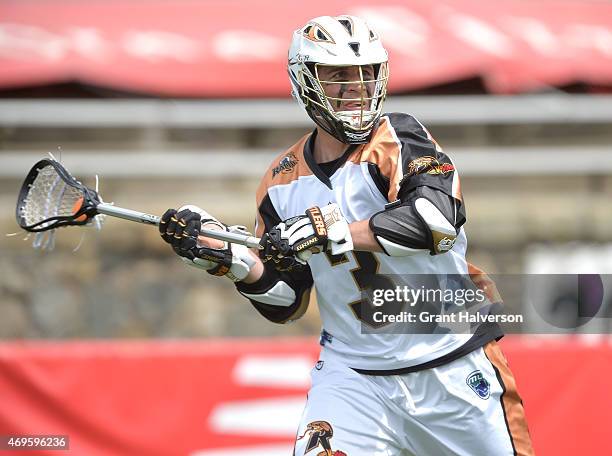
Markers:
point(479, 384)
point(428, 165)
point(286, 165)
point(319, 434)
point(319, 365)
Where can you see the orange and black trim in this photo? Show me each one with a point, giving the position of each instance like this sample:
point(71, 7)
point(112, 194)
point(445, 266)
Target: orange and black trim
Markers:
point(383, 152)
point(315, 32)
point(321, 171)
point(277, 174)
point(482, 280)
point(285, 168)
point(511, 403)
point(484, 334)
point(300, 281)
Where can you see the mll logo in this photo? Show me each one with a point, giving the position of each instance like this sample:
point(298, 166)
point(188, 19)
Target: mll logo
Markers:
point(479, 384)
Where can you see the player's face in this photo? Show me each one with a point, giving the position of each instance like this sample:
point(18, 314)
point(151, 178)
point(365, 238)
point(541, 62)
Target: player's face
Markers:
point(348, 88)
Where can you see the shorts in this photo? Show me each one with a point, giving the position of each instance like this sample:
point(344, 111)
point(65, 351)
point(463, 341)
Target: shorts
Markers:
point(469, 406)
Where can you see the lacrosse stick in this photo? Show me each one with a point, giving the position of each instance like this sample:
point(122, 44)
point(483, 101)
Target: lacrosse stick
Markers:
point(51, 198)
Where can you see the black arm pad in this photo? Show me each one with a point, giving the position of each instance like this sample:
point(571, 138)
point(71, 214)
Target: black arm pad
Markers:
point(402, 225)
point(299, 281)
point(423, 220)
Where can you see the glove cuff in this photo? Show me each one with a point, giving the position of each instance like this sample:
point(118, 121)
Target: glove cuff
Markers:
point(215, 222)
point(224, 264)
point(236, 263)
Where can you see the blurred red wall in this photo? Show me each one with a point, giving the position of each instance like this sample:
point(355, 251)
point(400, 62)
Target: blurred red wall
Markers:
point(234, 397)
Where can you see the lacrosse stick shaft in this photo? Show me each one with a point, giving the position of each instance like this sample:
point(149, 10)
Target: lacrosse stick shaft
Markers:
point(141, 217)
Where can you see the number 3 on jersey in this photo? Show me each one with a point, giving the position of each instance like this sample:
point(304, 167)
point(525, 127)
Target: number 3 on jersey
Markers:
point(367, 279)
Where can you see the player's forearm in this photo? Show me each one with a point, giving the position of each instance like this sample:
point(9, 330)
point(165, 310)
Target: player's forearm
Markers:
point(363, 238)
point(256, 271)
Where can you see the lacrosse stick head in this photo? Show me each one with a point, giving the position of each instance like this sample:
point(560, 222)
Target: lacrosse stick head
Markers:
point(51, 198)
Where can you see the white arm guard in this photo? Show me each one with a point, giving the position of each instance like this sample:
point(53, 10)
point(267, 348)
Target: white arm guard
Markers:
point(280, 294)
point(443, 233)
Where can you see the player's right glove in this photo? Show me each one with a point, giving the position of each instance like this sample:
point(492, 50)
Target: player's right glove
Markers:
point(291, 243)
point(181, 228)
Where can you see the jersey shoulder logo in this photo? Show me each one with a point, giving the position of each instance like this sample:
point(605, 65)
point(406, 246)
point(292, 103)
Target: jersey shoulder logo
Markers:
point(428, 165)
point(479, 384)
point(285, 165)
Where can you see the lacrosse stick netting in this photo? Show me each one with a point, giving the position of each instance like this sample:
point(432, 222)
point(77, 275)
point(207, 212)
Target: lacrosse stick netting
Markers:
point(51, 198)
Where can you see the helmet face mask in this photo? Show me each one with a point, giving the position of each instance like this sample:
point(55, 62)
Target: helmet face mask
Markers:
point(338, 71)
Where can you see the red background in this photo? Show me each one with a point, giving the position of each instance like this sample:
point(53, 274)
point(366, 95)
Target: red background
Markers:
point(238, 48)
point(157, 398)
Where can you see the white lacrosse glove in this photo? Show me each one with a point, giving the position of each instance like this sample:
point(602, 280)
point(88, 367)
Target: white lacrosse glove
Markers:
point(181, 229)
point(292, 242)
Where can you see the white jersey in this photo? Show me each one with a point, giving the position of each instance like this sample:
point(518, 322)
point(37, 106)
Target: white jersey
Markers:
point(366, 179)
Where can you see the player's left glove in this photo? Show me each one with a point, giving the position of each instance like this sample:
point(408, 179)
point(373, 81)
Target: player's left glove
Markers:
point(291, 243)
point(181, 228)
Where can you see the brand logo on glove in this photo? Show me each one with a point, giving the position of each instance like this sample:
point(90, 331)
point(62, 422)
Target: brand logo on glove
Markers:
point(314, 213)
point(333, 217)
point(305, 244)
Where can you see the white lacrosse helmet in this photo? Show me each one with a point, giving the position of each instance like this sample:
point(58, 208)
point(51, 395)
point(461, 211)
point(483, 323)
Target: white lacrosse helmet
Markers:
point(342, 41)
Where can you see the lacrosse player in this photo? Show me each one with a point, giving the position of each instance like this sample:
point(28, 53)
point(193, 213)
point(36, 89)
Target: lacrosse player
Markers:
point(364, 194)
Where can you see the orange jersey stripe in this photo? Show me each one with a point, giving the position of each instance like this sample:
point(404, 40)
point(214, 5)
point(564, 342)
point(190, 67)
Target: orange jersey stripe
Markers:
point(285, 168)
point(482, 280)
point(385, 152)
point(514, 413)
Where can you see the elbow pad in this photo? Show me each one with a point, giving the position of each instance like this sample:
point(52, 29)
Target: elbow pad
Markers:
point(279, 297)
point(280, 294)
point(424, 223)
